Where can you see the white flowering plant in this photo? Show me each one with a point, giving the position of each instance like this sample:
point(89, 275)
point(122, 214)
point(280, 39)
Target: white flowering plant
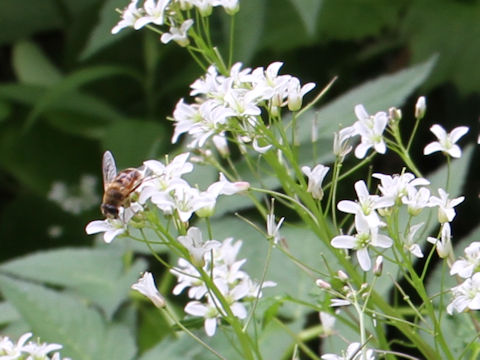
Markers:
point(270, 209)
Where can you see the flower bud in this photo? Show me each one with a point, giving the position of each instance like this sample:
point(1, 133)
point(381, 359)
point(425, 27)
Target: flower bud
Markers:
point(323, 284)
point(420, 107)
point(395, 114)
point(342, 275)
point(378, 267)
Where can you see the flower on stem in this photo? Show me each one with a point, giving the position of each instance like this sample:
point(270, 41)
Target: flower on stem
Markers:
point(112, 227)
point(370, 128)
point(446, 142)
point(470, 263)
point(154, 12)
point(366, 204)
point(178, 34)
point(146, 286)
point(466, 295)
point(354, 352)
point(341, 146)
point(195, 245)
point(446, 211)
point(129, 16)
point(30, 351)
point(398, 187)
point(296, 93)
point(366, 236)
point(444, 245)
point(328, 322)
point(420, 108)
point(315, 179)
point(273, 229)
point(409, 242)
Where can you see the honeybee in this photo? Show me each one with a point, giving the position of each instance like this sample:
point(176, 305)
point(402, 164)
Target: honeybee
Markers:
point(117, 187)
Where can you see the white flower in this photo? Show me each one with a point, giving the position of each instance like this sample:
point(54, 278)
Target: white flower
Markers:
point(371, 129)
point(446, 211)
point(296, 93)
point(366, 236)
point(328, 322)
point(208, 311)
point(195, 245)
point(341, 147)
point(315, 179)
point(397, 187)
point(113, 227)
point(11, 350)
point(231, 6)
point(446, 142)
point(417, 200)
point(178, 34)
point(467, 266)
point(129, 16)
point(444, 245)
point(153, 13)
point(366, 205)
point(409, 242)
point(39, 351)
point(146, 286)
point(273, 229)
point(466, 295)
point(354, 352)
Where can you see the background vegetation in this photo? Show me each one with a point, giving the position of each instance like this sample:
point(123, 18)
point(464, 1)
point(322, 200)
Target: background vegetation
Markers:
point(70, 90)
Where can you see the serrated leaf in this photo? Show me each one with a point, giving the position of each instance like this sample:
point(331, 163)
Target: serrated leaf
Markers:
point(308, 10)
point(57, 317)
point(96, 274)
point(32, 66)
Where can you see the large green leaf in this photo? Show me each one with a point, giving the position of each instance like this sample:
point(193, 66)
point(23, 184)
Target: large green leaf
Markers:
point(308, 10)
point(101, 35)
point(96, 274)
point(20, 19)
point(452, 31)
point(119, 344)
point(248, 29)
point(57, 317)
point(72, 82)
point(32, 65)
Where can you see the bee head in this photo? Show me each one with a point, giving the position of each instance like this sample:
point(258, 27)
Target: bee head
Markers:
point(109, 211)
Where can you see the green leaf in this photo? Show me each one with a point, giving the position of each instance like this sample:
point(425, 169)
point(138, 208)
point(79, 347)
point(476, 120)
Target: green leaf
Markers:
point(112, 348)
point(101, 35)
point(183, 347)
point(308, 10)
point(247, 38)
point(452, 31)
point(367, 18)
point(8, 313)
point(133, 141)
point(72, 82)
point(377, 95)
point(32, 66)
point(96, 274)
point(57, 317)
point(20, 19)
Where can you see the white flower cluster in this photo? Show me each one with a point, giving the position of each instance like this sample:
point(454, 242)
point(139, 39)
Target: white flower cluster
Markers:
point(219, 261)
point(354, 352)
point(397, 190)
point(235, 102)
point(28, 351)
point(371, 130)
point(75, 199)
point(170, 13)
point(467, 294)
point(168, 191)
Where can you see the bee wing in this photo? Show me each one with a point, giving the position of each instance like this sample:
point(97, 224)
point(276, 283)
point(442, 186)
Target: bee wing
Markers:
point(109, 169)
